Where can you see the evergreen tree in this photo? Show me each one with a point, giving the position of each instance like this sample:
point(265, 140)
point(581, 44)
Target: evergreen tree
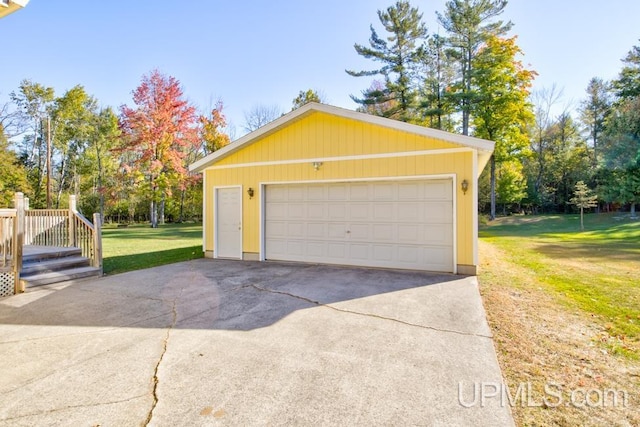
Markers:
point(305, 97)
point(436, 104)
point(400, 55)
point(469, 24)
point(593, 113)
point(583, 199)
point(627, 85)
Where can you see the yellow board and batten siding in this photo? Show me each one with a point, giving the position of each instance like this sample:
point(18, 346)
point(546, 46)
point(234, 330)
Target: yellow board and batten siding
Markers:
point(333, 140)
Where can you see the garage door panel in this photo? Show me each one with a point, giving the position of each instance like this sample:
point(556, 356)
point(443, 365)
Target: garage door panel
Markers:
point(383, 191)
point(276, 211)
point(276, 229)
point(316, 193)
point(410, 191)
point(410, 233)
point(337, 231)
point(296, 230)
point(337, 250)
point(384, 232)
point(359, 211)
point(384, 211)
point(337, 211)
point(410, 211)
point(338, 192)
point(438, 213)
point(383, 253)
point(316, 249)
point(359, 252)
point(359, 232)
point(437, 235)
point(316, 211)
point(407, 224)
point(278, 193)
point(316, 230)
point(437, 190)
point(359, 191)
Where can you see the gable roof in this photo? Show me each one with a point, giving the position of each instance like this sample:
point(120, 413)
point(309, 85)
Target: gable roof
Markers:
point(9, 6)
point(482, 145)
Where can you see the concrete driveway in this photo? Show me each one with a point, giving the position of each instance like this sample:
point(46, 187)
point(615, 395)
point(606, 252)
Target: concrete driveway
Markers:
point(246, 343)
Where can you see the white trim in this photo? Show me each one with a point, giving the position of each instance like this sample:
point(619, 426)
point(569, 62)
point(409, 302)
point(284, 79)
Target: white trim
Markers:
point(261, 220)
point(465, 141)
point(452, 177)
point(215, 219)
point(454, 195)
point(344, 158)
point(204, 212)
point(474, 208)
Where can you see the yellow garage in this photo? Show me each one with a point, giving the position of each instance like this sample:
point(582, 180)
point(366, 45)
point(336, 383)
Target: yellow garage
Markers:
point(327, 185)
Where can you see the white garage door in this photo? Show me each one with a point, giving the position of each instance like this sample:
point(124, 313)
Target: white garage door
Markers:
point(400, 224)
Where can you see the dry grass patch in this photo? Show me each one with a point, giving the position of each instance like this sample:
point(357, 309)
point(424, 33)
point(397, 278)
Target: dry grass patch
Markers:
point(544, 338)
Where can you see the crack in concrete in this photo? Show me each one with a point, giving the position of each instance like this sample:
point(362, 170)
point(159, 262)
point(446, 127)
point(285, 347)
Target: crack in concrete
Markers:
point(90, 405)
point(165, 344)
point(375, 316)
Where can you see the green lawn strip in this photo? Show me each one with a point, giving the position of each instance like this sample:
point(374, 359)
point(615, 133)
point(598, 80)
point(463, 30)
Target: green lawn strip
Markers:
point(612, 297)
point(140, 246)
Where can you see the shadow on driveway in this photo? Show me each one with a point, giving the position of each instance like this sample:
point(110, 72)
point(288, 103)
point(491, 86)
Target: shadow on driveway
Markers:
point(207, 294)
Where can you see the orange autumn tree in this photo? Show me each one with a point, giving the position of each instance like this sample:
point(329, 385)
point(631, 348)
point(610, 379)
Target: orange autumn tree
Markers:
point(157, 135)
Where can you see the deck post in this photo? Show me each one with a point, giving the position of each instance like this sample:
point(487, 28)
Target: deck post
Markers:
point(72, 210)
point(97, 241)
point(18, 241)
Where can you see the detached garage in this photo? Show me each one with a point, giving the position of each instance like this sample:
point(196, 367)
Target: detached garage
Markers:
point(328, 185)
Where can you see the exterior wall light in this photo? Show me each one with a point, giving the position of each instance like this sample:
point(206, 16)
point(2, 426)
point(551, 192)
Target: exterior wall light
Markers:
point(316, 165)
point(250, 192)
point(465, 186)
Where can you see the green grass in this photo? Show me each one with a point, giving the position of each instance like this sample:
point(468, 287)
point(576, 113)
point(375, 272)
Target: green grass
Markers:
point(596, 271)
point(140, 246)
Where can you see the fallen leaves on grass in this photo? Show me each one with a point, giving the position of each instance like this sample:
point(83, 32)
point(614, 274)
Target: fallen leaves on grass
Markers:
point(541, 341)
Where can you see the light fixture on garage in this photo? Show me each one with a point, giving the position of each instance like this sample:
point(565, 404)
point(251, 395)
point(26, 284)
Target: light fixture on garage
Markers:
point(465, 186)
point(250, 192)
point(316, 165)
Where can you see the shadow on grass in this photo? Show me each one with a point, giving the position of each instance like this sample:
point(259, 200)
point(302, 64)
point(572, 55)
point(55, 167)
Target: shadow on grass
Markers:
point(123, 263)
point(620, 251)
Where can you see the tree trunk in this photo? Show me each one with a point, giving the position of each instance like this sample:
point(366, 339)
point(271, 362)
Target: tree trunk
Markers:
point(492, 215)
point(633, 210)
point(181, 219)
point(581, 219)
point(161, 213)
point(153, 213)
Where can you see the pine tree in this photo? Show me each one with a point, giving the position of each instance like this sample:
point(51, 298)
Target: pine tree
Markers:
point(469, 24)
point(594, 111)
point(583, 199)
point(400, 56)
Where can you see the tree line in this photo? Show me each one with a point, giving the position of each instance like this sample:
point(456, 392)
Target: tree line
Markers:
point(471, 80)
point(131, 163)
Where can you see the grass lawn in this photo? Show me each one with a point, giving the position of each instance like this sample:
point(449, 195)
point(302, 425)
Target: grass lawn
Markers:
point(140, 246)
point(564, 307)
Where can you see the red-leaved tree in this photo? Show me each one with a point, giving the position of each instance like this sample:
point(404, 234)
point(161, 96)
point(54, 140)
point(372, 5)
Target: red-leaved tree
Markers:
point(157, 134)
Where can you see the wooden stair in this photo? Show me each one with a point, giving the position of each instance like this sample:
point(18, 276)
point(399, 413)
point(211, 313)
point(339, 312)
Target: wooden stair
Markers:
point(43, 265)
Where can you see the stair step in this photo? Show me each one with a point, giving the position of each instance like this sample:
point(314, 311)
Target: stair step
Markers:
point(42, 254)
point(60, 276)
point(54, 264)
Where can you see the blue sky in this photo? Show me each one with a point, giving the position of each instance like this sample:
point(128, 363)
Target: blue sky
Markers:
point(264, 52)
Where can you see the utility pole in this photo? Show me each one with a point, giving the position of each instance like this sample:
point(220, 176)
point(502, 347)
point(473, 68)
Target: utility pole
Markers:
point(48, 162)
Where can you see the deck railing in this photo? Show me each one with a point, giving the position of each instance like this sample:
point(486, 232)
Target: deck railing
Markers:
point(45, 227)
point(11, 244)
